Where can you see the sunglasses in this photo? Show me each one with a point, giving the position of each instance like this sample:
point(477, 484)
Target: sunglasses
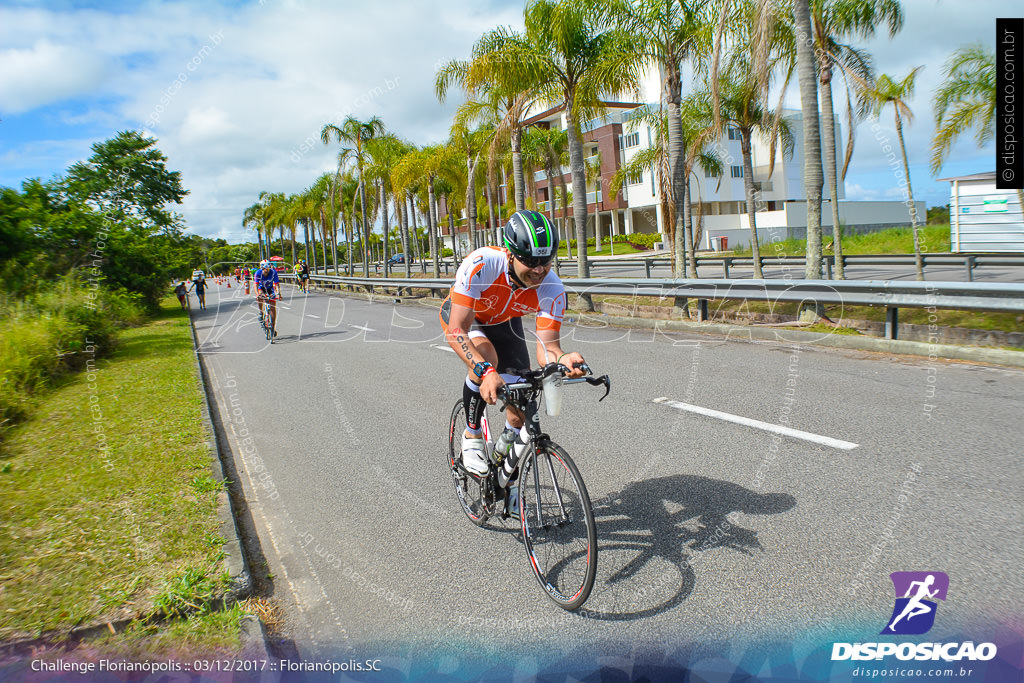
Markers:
point(532, 262)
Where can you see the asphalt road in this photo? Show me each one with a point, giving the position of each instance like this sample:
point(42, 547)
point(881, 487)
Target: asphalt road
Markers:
point(713, 535)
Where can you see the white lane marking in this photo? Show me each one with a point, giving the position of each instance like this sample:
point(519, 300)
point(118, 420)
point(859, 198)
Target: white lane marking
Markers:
point(310, 315)
point(757, 424)
point(361, 327)
point(443, 348)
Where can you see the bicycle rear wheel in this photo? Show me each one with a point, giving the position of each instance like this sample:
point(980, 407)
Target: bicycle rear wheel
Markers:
point(559, 530)
point(476, 494)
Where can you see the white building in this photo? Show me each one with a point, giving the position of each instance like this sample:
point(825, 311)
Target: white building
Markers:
point(719, 204)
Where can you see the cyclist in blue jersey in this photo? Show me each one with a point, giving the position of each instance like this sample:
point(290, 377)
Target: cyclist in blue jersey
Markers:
point(268, 288)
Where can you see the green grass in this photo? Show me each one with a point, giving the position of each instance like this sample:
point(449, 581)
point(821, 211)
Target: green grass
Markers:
point(620, 248)
point(933, 238)
point(105, 491)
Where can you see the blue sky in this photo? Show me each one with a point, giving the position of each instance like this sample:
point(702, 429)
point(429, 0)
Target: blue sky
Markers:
point(234, 91)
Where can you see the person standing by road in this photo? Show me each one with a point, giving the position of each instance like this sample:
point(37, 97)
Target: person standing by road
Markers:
point(247, 276)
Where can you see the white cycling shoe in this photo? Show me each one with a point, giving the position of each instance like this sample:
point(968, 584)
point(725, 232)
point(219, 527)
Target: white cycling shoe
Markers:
point(474, 455)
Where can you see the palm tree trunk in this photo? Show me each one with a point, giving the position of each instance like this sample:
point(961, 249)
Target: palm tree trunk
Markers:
point(416, 246)
point(918, 260)
point(549, 175)
point(451, 230)
point(334, 246)
point(688, 211)
point(402, 214)
point(676, 161)
point(518, 178)
point(432, 224)
point(293, 245)
point(579, 201)
point(324, 241)
point(471, 200)
point(812, 146)
point(385, 228)
point(365, 225)
point(349, 237)
point(748, 186)
point(305, 238)
point(490, 211)
point(565, 211)
point(831, 173)
point(312, 233)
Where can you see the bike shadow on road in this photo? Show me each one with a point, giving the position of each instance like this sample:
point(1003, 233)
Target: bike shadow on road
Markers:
point(653, 533)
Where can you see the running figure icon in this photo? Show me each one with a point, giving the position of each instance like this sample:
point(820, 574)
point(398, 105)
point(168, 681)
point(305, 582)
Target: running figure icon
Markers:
point(915, 607)
point(916, 601)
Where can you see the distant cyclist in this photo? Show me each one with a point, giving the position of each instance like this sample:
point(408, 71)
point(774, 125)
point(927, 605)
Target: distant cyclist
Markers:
point(199, 284)
point(268, 289)
point(482, 320)
point(302, 271)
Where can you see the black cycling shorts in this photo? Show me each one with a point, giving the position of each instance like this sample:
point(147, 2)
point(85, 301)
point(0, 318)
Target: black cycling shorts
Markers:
point(507, 337)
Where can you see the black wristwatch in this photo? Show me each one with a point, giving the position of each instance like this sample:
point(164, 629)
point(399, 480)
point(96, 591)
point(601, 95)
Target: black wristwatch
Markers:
point(480, 368)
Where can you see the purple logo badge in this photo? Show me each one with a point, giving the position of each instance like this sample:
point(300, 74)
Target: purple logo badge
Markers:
point(916, 595)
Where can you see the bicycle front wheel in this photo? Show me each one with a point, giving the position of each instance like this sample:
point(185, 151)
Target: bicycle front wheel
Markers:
point(558, 525)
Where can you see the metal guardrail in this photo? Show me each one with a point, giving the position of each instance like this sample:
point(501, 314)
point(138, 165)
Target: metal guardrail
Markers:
point(891, 295)
point(968, 261)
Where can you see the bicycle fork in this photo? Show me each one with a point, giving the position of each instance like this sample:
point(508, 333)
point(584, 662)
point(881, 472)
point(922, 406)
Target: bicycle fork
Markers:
point(539, 447)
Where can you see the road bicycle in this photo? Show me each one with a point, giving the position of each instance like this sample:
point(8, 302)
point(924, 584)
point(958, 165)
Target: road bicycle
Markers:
point(266, 320)
point(546, 493)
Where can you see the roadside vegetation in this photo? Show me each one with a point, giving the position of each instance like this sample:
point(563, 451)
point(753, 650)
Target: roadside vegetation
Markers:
point(111, 506)
point(106, 487)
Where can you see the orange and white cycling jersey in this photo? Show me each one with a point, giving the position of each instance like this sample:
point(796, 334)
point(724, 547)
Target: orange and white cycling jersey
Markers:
point(483, 284)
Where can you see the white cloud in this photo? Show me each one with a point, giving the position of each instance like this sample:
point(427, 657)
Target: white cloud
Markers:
point(46, 73)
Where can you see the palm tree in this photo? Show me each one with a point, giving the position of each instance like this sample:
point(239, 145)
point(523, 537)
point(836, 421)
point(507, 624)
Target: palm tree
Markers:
point(385, 152)
point(356, 132)
point(669, 33)
point(889, 91)
point(965, 100)
point(571, 49)
point(813, 181)
point(834, 21)
point(743, 110)
point(494, 78)
point(253, 218)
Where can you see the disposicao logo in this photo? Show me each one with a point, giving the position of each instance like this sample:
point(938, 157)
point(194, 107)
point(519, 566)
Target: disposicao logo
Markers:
point(914, 614)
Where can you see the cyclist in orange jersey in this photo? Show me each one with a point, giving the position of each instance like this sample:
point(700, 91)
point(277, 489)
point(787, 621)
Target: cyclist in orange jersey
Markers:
point(482, 320)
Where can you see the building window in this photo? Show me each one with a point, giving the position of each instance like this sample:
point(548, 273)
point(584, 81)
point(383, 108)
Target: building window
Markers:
point(631, 140)
point(734, 133)
point(736, 171)
point(635, 178)
point(710, 173)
